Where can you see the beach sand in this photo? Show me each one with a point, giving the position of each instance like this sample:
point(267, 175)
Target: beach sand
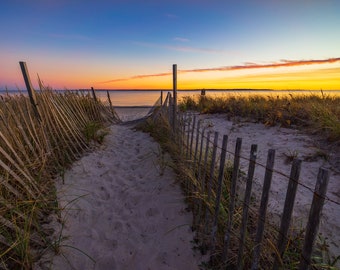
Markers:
point(287, 142)
point(124, 210)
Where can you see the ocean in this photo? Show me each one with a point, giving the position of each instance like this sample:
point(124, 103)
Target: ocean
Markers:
point(147, 98)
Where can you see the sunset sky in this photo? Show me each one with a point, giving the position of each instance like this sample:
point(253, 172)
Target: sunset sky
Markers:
point(132, 44)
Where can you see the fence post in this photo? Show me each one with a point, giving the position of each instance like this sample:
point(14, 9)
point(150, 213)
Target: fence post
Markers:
point(219, 191)
point(94, 94)
point(263, 208)
point(30, 90)
point(174, 82)
point(188, 135)
point(109, 99)
point(314, 218)
point(287, 211)
point(232, 197)
point(161, 97)
point(196, 144)
point(199, 180)
point(246, 201)
point(211, 176)
point(192, 136)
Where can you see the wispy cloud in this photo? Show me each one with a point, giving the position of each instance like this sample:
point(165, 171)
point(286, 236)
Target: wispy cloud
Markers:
point(71, 36)
point(178, 48)
point(282, 63)
point(181, 39)
point(171, 16)
point(138, 77)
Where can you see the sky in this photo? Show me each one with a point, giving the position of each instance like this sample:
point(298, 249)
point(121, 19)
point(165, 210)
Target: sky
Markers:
point(132, 44)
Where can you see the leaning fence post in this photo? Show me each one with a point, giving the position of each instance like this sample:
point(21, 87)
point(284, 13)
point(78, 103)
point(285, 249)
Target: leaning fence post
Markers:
point(192, 136)
point(287, 210)
point(263, 208)
point(219, 191)
point(94, 94)
point(109, 99)
point(196, 143)
point(30, 90)
point(314, 218)
point(234, 178)
point(246, 201)
point(211, 176)
point(174, 82)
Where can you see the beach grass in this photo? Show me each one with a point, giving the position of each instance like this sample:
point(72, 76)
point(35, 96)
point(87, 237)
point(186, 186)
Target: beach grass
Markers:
point(35, 149)
point(318, 113)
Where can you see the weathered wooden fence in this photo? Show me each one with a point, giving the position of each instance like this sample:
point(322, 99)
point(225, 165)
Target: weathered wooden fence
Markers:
point(231, 225)
point(39, 137)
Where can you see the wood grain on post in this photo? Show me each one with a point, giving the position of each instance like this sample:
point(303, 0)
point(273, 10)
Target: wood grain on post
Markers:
point(314, 218)
point(263, 208)
point(246, 202)
point(287, 210)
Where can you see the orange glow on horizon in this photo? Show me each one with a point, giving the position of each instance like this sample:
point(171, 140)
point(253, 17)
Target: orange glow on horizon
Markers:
point(315, 79)
point(285, 75)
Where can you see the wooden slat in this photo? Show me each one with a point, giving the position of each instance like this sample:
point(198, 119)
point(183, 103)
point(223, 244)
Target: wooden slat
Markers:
point(263, 208)
point(314, 218)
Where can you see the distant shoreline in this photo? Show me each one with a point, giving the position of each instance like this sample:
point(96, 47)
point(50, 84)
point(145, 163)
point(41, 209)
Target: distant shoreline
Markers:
point(185, 90)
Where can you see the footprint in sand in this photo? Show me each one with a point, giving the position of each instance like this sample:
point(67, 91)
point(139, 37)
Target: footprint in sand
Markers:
point(152, 212)
point(103, 194)
point(118, 226)
point(106, 262)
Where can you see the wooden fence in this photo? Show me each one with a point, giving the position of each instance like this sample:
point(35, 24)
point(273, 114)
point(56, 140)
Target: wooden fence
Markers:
point(39, 137)
point(228, 224)
point(231, 225)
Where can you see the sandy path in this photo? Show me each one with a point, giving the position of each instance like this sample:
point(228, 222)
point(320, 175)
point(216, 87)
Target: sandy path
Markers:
point(126, 214)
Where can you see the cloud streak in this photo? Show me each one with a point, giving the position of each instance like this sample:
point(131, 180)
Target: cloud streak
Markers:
point(280, 64)
point(181, 39)
point(178, 48)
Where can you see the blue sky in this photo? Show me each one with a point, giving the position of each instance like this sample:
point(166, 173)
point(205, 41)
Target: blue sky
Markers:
point(77, 44)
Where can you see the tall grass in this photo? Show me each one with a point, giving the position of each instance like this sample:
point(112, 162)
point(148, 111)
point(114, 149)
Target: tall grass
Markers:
point(319, 113)
point(33, 151)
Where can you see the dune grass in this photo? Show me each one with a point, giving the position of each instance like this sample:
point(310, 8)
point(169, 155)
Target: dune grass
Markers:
point(318, 113)
point(33, 152)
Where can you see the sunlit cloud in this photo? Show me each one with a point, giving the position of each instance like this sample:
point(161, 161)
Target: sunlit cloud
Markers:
point(282, 63)
point(181, 39)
